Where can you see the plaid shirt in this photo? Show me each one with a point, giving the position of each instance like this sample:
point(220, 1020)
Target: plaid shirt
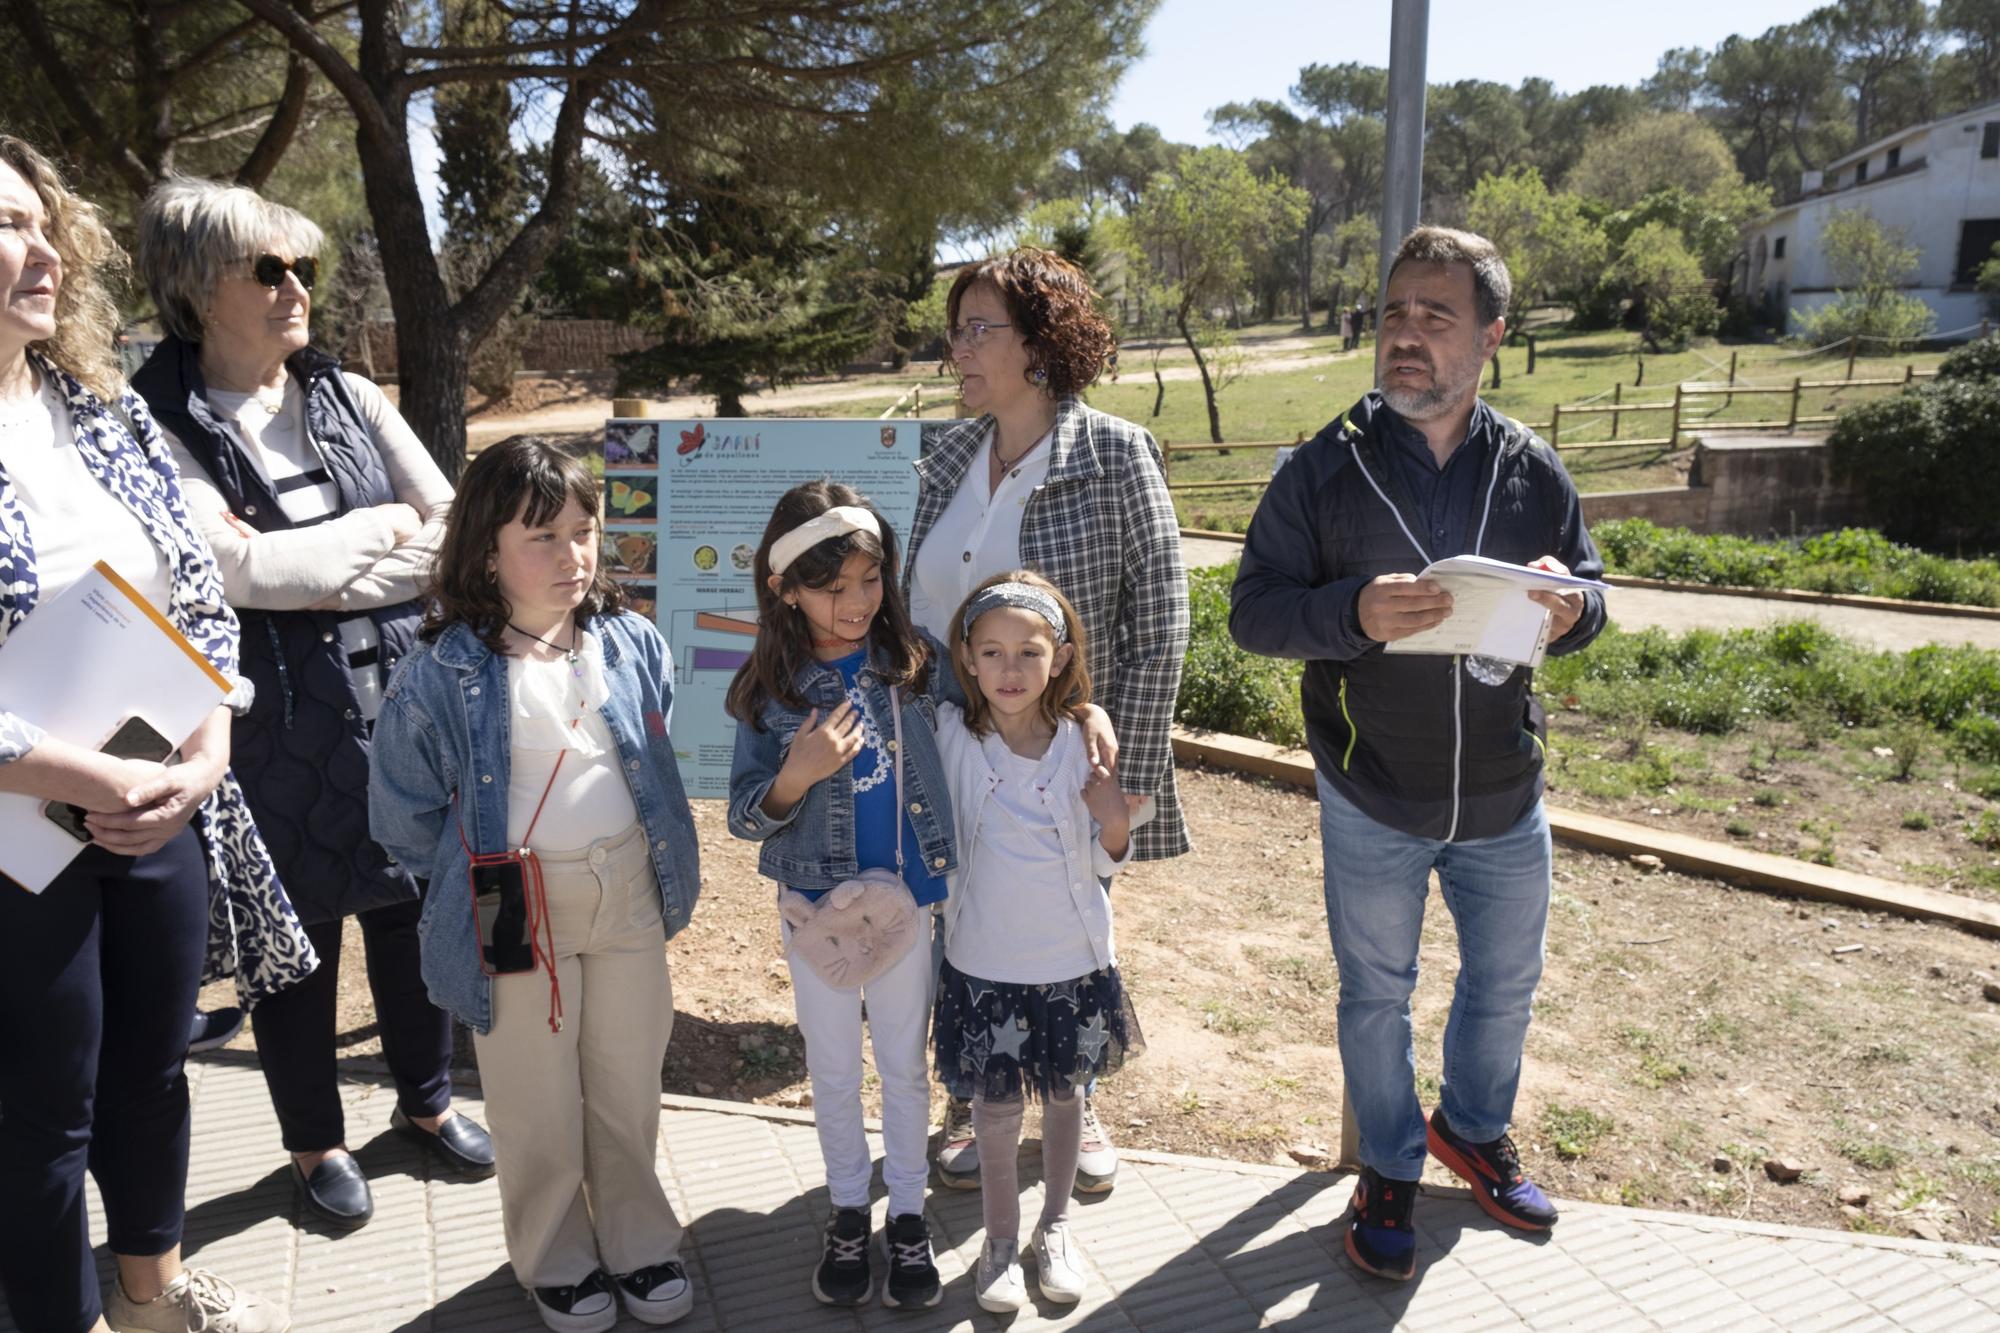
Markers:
point(1102, 529)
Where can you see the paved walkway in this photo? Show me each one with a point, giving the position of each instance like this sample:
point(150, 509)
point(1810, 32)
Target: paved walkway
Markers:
point(1634, 608)
point(1180, 1245)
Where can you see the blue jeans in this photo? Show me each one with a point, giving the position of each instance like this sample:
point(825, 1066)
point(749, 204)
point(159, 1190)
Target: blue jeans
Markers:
point(1498, 891)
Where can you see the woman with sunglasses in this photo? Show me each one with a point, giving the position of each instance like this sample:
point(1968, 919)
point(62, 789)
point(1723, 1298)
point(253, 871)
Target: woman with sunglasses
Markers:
point(324, 511)
point(1043, 481)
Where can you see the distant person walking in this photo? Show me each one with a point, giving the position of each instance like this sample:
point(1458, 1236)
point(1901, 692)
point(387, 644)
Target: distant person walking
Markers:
point(1424, 762)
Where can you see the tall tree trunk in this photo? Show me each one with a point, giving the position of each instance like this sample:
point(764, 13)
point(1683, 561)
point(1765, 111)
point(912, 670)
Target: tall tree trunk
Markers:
point(1306, 278)
point(1207, 385)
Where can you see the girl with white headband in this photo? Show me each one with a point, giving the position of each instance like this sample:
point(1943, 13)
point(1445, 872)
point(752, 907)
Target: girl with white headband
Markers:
point(1029, 1000)
point(835, 713)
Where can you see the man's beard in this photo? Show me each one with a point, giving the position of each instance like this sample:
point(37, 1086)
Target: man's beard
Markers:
point(1423, 404)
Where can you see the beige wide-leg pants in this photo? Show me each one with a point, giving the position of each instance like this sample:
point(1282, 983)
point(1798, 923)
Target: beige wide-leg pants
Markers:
point(575, 1114)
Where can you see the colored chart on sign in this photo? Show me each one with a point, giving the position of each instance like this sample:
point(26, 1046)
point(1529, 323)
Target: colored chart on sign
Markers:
point(686, 503)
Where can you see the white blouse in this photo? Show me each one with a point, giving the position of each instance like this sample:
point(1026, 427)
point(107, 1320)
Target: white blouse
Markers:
point(72, 519)
point(589, 799)
point(977, 535)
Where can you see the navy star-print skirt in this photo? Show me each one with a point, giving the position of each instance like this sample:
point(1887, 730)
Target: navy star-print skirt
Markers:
point(1000, 1040)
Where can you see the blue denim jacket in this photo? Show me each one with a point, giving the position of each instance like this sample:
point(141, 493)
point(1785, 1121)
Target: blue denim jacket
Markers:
point(443, 734)
point(813, 846)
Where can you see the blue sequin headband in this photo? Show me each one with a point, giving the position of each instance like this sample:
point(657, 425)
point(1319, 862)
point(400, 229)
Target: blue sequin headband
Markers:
point(1022, 596)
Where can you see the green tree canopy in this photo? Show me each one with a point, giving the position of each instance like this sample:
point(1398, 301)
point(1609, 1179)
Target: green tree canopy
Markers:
point(1550, 243)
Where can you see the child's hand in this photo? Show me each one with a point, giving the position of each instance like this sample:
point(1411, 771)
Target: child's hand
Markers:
point(819, 750)
point(822, 749)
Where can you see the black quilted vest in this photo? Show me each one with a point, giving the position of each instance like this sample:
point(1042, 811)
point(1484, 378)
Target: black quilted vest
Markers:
point(301, 752)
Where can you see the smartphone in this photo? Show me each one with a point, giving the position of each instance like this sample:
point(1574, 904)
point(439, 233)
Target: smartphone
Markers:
point(135, 738)
point(500, 902)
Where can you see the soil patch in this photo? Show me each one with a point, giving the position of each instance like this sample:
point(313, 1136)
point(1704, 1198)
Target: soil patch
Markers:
point(1685, 1031)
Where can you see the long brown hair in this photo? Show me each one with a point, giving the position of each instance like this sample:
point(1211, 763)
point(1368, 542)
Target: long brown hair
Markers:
point(896, 650)
point(527, 477)
point(1069, 689)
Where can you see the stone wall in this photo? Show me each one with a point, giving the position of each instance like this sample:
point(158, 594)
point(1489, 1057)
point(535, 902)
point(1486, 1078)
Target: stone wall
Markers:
point(1745, 485)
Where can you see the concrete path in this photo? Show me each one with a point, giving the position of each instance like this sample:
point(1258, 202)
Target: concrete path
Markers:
point(1181, 1246)
point(1633, 608)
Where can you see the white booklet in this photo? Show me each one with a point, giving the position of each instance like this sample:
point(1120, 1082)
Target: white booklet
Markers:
point(82, 667)
point(1491, 614)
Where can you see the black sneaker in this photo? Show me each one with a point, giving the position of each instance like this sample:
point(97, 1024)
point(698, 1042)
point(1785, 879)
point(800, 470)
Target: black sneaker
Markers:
point(213, 1028)
point(913, 1277)
point(842, 1277)
point(658, 1293)
point(1379, 1237)
point(588, 1307)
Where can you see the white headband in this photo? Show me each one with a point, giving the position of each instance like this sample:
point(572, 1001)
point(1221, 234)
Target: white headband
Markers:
point(835, 522)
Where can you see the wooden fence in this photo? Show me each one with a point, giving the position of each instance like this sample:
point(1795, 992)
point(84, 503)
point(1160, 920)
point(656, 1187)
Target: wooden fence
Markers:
point(1686, 395)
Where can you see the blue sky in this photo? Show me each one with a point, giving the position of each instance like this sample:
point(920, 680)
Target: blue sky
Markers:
point(1202, 53)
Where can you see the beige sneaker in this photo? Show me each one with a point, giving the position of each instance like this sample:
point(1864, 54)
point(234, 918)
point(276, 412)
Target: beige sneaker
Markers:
point(195, 1302)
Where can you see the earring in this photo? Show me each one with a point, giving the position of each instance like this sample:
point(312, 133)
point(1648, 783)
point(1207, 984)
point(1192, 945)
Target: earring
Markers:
point(1038, 375)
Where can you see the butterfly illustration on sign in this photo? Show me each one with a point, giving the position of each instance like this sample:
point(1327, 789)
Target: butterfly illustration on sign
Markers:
point(628, 503)
point(692, 440)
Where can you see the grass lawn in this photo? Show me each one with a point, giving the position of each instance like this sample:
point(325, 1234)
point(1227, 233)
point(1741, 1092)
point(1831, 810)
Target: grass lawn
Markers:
point(1275, 400)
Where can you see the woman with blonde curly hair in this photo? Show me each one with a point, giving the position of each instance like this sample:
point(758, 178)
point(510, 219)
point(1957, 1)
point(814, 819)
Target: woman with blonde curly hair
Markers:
point(1043, 481)
point(100, 970)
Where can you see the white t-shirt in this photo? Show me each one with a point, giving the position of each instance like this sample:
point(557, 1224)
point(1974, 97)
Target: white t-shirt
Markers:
point(73, 521)
point(284, 451)
point(589, 799)
point(976, 537)
point(1018, 922)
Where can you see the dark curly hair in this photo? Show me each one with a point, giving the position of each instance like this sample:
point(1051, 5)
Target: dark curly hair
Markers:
point(527, 477)
point(1052, 305)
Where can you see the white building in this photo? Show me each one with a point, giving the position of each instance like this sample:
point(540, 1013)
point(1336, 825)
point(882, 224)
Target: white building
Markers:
point(1939, 183)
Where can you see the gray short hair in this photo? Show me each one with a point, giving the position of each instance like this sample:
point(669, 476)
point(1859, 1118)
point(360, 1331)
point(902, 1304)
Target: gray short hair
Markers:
point(191, 230)
point(1492, 289)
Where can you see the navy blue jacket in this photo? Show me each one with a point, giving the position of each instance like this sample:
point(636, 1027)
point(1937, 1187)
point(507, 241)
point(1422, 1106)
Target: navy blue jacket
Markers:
point(301, 752)
point(1411, 739)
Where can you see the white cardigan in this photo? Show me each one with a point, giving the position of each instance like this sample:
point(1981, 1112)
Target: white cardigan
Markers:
point(972, 781)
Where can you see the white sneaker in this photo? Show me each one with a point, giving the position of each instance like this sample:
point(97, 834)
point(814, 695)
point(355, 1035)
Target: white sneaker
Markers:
point(999, 1285)
point(587, 1307)
point(658, 1293)
point(1097, 1160)
point(1056, 1266)
point(197, 1299)
point(958, 1151)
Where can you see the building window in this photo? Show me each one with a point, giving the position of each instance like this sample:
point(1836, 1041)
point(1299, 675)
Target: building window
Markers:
point(1989, 145)
point(1976, 237)
point(1895, 159)
point(1861, 171)
point(1778, 248)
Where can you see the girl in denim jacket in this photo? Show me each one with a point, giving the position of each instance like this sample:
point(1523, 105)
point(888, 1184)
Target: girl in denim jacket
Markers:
point(814, 780)
point(522, 765)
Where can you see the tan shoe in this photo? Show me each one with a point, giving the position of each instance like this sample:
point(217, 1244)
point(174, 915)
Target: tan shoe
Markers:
point(195, 1302)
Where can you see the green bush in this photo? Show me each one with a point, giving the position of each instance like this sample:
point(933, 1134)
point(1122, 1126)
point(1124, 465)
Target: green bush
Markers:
point(1852, 560)
point(1924, 460)
point(1976, 360)
point(1224, 688)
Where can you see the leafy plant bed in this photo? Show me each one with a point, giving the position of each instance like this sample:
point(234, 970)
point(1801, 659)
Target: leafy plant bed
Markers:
point(1853, 560)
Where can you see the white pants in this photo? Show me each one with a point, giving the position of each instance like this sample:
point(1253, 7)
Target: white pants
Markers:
point(899, 1023)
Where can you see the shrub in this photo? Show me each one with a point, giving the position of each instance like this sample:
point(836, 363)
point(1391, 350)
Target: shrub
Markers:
point(1976, 360)
point(1224, 688)
point(1852, 560)
point(1923, 460)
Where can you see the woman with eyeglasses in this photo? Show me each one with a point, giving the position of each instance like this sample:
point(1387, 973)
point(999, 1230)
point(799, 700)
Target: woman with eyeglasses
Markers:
point(1043, 481)
point(324, 511)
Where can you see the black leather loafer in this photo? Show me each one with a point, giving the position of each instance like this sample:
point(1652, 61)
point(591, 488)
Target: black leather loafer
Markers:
point(459, 1143)
point(336, 1192)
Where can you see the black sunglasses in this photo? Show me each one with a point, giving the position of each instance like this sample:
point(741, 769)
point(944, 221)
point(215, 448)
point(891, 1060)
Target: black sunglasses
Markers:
point(270, 270)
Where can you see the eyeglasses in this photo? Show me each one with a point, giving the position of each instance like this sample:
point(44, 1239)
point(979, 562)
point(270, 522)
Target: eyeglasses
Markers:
point(971, 333)
point(271, 270)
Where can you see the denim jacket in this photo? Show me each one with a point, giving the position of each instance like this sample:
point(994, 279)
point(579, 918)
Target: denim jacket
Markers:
point(813, 846)
point(441, 759)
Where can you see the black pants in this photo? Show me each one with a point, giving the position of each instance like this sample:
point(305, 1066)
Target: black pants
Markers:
point(295, 1030)
point(98, 977)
